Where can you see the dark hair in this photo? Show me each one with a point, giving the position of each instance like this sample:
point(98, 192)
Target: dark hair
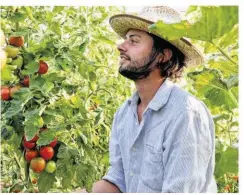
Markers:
point(174, 67)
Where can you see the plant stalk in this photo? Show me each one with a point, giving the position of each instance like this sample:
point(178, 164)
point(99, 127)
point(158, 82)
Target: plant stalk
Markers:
point(224, 54)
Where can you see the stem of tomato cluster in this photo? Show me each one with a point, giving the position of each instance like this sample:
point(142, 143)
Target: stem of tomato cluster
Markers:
point(27, 176)
point(16, 26)
point(18, 163)
point(24, 49)
point(225, 54)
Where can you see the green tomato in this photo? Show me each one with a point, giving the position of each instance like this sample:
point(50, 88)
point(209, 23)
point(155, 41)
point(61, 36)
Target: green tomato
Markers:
point(9, 60)
point(12, 67)
point(18, 61)
point(12, 51)
point(50, 167)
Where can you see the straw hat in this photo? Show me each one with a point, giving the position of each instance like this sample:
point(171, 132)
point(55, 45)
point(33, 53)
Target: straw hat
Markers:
point(121, 23)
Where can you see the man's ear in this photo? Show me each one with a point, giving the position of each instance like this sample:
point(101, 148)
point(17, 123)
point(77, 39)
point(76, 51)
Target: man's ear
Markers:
point(166, 55)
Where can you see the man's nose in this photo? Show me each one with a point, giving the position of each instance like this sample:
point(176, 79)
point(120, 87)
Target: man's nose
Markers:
point(122, 46)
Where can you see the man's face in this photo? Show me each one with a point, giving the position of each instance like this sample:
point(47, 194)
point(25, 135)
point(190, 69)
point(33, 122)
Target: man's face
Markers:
point(136, 55)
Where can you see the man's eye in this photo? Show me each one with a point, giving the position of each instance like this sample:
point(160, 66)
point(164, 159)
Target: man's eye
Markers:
point(133, 41)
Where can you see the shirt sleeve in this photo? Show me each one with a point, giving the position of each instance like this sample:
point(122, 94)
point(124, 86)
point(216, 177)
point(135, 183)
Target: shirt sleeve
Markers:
point(115, 173)
point(189, 153)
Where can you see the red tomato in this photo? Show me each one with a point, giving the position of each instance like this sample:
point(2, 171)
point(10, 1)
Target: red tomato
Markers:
point(47, 152)
point(43, 67)
point(28, 145)
point(38, 164)
point(5, 93)
point(54, 142)
point(34, 180)
point(30, 154)
point(34, 139)
point(26, 81)
point(17, 41)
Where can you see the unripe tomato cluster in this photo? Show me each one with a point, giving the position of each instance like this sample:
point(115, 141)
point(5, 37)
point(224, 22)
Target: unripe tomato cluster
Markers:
point(12, 57)
point(40, 158)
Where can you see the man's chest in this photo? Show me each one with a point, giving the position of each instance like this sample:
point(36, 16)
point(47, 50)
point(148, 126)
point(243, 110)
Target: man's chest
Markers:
point(142, 153)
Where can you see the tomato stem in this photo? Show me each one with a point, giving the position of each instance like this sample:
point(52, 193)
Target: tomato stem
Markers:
point(18, 163)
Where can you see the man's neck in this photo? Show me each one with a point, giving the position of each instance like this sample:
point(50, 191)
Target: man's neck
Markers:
point(148, 87)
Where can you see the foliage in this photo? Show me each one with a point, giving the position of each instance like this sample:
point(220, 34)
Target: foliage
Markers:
point(72, 100)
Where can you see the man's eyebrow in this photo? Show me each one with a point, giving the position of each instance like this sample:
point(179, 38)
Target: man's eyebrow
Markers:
point(130, 36)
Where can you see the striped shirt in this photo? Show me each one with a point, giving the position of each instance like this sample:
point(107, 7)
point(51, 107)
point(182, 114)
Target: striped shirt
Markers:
point(170, 150)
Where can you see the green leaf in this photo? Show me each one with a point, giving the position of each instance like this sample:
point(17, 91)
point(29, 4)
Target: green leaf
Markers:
point(45, 181)
point(83, 137)
point(99, 118)
point(76, 101)
point(16, 140)
point(83, 71)
point(206, 28)
point(92, 76)
point(47, 87)
point(37, 83)
point(63, 152)
point(45, 138)
point(225, 66)
point(58, 9)
point(82, 47)
point(206, 23)
point(68, 177)
point(21, 98)
point(31, 68)
point(81, 173)
point(227, 162)
point(210, 84)
point(18, 17)
point(105, 39)
point(54, 76)
point(232, 81)
point(55, 27)
point(32, 125)
point(228, 39)
point(29, 12)
point(169, 31)
point(28, 57)
point(209, 48)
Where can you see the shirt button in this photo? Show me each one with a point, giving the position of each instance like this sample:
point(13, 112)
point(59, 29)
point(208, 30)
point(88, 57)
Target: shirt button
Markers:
point(131, 174)
point(134, 149)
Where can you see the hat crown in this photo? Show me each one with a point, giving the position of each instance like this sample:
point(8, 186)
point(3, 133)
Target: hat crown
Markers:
point(164, 13)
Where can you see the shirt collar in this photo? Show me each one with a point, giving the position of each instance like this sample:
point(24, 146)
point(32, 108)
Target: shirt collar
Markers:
point(160, 98)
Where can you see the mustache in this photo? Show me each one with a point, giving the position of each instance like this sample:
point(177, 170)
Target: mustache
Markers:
point(122, 54)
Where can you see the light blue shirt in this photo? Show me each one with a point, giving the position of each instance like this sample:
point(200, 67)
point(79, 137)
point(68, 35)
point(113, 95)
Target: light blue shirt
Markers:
point(170, 150)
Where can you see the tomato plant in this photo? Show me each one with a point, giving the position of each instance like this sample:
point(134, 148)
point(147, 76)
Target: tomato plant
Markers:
point(55, 105)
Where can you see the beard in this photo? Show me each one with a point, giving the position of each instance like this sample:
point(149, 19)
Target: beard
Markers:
point(138, 69)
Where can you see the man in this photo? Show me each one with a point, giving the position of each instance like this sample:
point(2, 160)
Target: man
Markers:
point(162, 138)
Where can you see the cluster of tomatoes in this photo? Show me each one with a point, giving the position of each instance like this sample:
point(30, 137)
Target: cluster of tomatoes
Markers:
point(40, 158)
point(11, 57)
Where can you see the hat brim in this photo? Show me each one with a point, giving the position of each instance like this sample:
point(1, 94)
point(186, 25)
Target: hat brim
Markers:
point(122, 23)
